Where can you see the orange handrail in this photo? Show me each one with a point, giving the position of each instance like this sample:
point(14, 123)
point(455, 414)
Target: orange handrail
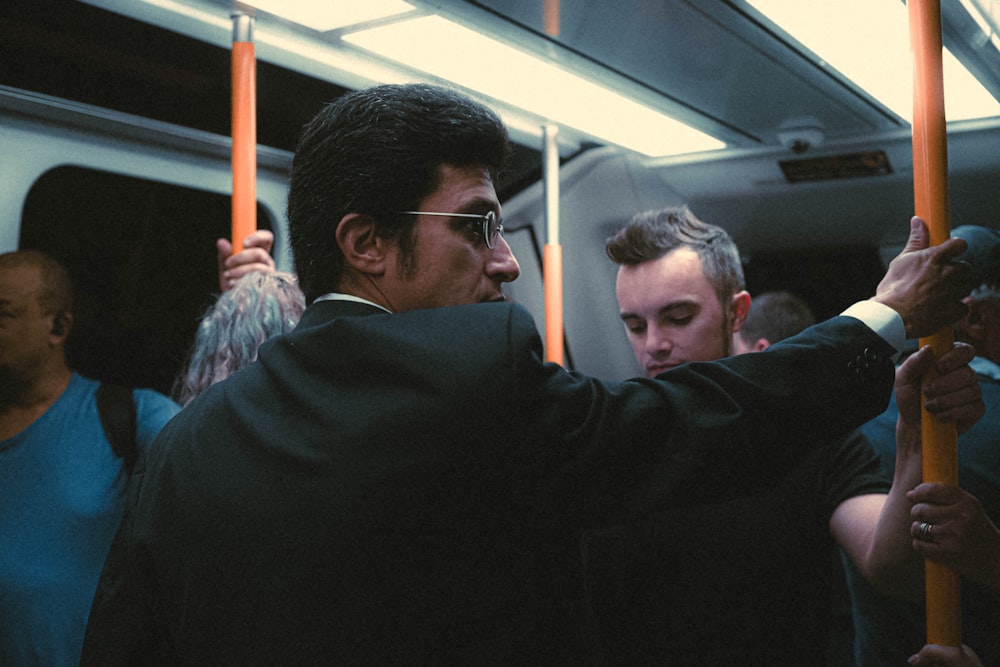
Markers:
point(244, 127)
point(930, 187)
point(551, 18)
point(552, 253)
point(552, 277)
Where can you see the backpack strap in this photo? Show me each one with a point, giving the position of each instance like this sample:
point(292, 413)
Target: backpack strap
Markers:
point(116, 407)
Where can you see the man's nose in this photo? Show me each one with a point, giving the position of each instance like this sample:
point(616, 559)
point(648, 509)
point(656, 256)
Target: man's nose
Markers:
point(657, 342)
point(502, 264)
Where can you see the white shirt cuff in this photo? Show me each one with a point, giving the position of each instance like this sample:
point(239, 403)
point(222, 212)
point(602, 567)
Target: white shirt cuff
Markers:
point(881, 319)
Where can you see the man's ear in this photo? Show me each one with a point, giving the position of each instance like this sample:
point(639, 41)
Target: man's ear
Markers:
point(740, 308)
point(971, 324)
point(62, 324)
point(363, 249)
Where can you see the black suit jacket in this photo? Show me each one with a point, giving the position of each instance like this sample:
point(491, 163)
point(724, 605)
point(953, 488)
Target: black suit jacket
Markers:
point(411, 488)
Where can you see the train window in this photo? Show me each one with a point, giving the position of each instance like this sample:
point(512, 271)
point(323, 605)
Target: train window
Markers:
point(142, 257)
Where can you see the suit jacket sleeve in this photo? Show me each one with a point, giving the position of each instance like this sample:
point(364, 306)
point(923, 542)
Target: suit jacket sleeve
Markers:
point(704, 431)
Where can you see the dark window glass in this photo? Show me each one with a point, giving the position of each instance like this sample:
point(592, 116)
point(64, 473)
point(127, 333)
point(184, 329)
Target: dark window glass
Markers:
point(142, 257)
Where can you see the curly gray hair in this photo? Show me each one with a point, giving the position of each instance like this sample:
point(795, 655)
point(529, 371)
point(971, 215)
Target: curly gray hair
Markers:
point(260, 305)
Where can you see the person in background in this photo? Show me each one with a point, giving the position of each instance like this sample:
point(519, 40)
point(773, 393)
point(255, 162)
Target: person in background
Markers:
point(963, 520)
point(259, 305)
point(714, 583)
point(773, 316)
point(402, 479)
point(63, 485)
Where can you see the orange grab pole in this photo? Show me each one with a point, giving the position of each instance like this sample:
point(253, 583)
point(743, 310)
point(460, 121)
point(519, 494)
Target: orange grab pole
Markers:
point(552, 277)
point(244, 154)
point(552, 252)
point(551, 19)
point(930, 186)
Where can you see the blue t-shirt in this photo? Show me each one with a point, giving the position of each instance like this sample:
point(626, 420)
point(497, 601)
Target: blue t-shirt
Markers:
point(63, 493)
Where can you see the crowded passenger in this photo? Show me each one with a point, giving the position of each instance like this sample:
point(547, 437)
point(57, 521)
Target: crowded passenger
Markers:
point(960, 522)
point(713, 583)
point(773, 316)
point(67, 446)
point(402, 479)
point(63, 484)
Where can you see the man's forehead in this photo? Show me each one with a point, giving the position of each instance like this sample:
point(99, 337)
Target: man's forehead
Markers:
point(467, 187)
point(673, 281)
point(681, 264)
point(19, 282)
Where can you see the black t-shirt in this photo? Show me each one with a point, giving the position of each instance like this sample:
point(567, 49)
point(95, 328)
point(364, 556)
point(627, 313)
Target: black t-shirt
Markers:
point(736, 583)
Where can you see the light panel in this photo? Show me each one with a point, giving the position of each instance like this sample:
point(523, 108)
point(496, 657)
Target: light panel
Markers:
point(868, 41)
point(324, 15)
point(454, 53)
point(986, 13)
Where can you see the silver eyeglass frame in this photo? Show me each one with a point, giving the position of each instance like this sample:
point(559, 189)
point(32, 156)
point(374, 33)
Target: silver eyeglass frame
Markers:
point(489, 219)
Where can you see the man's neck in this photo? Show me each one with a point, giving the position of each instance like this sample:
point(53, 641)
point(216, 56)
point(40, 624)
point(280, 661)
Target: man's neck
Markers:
point(362, 287)
point(338, 296)
point(21, 403)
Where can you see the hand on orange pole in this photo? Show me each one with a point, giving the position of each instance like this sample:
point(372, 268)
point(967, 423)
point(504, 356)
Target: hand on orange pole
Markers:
point(244, 127)
point(930, 187)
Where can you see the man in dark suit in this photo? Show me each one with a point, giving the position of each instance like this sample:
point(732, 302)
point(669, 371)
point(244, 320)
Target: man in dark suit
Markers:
point(402, 479)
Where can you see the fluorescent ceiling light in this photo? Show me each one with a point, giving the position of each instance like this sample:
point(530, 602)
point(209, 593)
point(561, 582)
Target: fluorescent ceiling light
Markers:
point(326, 15)
point(454, 53)
point(986, 13)
point(868, 41)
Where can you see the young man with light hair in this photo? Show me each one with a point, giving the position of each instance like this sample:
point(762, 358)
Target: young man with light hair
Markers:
point(716, 582)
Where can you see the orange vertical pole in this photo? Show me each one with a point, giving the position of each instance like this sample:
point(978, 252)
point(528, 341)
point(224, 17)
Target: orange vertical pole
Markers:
point(553, 303)
point(244, 127)
point(551, 20)
point(930, 187)
point(552, 253)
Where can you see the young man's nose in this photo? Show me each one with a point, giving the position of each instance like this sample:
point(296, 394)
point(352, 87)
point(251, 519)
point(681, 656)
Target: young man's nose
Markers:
point(657, 341)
